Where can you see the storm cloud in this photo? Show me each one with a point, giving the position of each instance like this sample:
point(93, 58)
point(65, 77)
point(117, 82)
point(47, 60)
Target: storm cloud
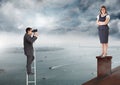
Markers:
point(57, 16)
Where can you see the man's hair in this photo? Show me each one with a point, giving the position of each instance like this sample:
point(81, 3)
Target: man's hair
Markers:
point(28, 29)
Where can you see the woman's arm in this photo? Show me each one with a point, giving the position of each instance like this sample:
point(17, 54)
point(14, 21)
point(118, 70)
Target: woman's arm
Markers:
point(105, 22)
point(97, 21)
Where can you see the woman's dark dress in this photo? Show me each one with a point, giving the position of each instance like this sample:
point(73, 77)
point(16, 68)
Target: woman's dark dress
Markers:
point(103, 30)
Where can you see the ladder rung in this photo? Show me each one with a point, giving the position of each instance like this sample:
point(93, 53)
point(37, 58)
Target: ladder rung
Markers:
point(31, 81)
point(33, 67)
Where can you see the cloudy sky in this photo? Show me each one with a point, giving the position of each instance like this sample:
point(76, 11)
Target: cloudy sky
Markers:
point(57, 16)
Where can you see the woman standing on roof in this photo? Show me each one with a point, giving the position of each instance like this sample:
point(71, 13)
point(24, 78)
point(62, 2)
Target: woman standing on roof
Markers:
point(103, 30)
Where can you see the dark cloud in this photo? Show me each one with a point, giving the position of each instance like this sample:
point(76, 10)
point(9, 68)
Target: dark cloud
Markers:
point(57, 16)
point(115, 15)
point(114, 27)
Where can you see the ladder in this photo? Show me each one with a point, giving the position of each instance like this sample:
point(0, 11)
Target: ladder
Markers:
point(33, 81)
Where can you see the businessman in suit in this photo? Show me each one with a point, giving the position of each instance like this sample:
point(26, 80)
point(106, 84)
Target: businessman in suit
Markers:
point(29, 39)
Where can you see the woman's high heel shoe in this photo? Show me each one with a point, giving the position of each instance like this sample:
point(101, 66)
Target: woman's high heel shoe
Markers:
point(101, 55)
point(104, 55)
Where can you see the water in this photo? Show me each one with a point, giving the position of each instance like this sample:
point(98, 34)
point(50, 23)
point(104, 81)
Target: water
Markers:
point(55, 65)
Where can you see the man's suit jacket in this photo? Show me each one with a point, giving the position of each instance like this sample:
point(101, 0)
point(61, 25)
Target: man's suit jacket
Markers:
point(28, 44)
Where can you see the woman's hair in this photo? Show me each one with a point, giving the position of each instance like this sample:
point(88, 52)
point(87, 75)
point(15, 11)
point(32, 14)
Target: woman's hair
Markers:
point(104, 8)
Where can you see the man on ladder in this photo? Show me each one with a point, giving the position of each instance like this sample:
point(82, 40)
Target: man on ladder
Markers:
point(29, 38)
